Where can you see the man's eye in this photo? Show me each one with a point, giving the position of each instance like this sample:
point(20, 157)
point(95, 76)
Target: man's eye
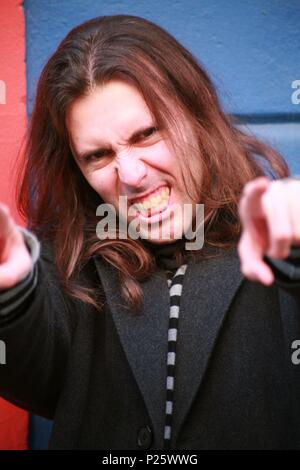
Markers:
point(97, 156)
point(149, 132)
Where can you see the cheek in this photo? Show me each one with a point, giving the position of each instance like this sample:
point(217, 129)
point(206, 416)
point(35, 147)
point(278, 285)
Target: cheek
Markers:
point(162, 157)
point(103, 182)
point(168, 163)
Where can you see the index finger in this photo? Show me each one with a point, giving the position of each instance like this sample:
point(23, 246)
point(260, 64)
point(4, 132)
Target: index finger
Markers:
point(250, 204)
point(6, 221)
point(254, 237)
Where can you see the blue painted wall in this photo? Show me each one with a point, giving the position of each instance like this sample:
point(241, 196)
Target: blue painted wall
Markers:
point(251, 48)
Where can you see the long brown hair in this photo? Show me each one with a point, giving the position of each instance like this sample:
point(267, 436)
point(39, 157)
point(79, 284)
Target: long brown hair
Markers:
point(209, 146)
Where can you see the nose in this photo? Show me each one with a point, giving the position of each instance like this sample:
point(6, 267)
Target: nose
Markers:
point(131, 169)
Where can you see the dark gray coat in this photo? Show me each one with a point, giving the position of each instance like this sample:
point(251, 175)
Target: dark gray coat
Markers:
point(101, 376)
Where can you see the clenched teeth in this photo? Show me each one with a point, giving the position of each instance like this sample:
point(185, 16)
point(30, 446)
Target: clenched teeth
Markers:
point(161, 198)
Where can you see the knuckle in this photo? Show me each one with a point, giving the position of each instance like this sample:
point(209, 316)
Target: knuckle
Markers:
point(247, 271)
point(282, 236)
point(266, 200)
point(4, 208)
point(248, 188)
point(242, 246)
point(8, 281)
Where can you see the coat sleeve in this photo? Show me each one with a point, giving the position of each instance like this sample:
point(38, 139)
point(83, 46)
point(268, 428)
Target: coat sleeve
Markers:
point(36, 336)
point(287, 273)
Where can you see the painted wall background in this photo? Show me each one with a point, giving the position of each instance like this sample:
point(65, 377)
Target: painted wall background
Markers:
point(12, 95)
point(13, 421)
point(249, 47)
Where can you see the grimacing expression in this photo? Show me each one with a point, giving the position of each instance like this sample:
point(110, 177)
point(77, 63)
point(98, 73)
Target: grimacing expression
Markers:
point(121, 152)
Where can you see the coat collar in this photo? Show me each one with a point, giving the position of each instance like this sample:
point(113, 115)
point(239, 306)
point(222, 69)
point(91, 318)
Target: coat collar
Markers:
point(208, 289)
point(143, 337)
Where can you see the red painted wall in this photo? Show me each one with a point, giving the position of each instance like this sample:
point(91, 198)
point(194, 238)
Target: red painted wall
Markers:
point(13, 421)
point(13, 100)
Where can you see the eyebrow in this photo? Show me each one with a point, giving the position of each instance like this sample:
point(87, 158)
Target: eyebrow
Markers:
point(136, 134)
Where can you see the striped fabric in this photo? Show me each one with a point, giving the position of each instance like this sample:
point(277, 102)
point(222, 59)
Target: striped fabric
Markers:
point(175, 285)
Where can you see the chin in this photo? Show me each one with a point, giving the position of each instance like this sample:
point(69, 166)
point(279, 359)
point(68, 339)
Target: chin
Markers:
point(157, 238)
point(156, 241)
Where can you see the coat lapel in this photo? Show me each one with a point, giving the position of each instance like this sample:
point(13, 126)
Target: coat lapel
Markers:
point(143, 337)
point(208, 290)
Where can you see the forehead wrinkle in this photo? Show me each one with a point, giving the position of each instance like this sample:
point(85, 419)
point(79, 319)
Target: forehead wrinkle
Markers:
point(94, 138)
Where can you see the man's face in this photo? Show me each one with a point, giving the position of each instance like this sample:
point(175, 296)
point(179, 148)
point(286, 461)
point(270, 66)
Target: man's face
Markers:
point(121, 153)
